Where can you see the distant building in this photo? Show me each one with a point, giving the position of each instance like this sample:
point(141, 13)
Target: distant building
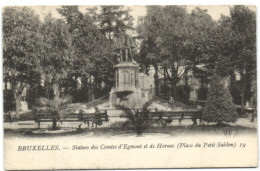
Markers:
point(146, 82)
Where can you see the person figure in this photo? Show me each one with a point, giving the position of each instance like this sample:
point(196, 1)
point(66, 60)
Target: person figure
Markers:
point(171, 102)
point(124, 45)
point(97, 110)
point(94, 121)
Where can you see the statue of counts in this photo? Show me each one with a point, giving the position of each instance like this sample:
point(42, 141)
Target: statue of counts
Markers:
point(124, 45)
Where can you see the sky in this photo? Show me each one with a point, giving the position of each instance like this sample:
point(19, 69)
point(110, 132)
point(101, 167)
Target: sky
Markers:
point(214, 11)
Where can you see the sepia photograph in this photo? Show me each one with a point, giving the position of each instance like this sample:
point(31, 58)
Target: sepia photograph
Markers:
point(129, 86)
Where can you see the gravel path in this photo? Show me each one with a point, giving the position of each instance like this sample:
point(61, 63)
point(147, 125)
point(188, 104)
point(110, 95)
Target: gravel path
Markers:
point(244, 122)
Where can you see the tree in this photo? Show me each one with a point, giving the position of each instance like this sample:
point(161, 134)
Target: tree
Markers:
point(22, 49)
point(236, 48)
point(164, 32)
point(219, 107)
point(218, 51)
point(243, 26)
point(113, 18)
point(57, 56)
point(72, 15)
point(92, 51)
point(201, 28)
point(110, 21)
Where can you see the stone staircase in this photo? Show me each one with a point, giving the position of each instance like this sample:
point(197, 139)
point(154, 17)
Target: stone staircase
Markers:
point(177, 104)
point(98, 101)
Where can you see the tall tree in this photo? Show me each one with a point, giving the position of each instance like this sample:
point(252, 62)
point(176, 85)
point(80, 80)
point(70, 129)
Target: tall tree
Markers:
point(236, 47)
point(164, 31)
point(72, 15)
point(110, 21)
point(58, 55)
point(201, 28)
point(244, 49)
point(22, 48)
point(92, 51)
point(113, 18)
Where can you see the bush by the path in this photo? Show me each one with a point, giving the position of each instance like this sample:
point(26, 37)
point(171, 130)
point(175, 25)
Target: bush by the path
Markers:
point(219, 106)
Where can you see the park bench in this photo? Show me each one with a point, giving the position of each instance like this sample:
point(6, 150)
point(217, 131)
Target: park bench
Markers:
point(23, 116)
point(96, 118)
point(7, 117)
point(169, 116)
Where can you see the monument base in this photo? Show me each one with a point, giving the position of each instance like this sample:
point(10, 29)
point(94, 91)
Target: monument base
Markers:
point(135, 98)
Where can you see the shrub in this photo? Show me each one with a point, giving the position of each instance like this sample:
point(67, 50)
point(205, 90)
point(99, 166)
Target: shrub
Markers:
point(219, 107)
point(140, 119)
point(57, 108)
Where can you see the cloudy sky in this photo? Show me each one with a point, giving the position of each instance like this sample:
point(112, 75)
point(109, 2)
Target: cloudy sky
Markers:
point(214, 10)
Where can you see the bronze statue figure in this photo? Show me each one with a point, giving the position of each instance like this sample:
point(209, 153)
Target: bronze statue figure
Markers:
point(124, 45)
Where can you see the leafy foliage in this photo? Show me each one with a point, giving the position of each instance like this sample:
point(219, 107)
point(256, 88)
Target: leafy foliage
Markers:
point(175, 39)
point(235, 49)
point(93, 53)
point(22, 48)
point(201, 28)
point(112, 19)
point(72, 15)
point(55, 107)
point(57, 55)
point(140, 119)
point(219, 106)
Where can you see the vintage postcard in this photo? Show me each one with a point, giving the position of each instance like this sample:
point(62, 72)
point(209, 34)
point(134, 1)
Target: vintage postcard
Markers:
point(129, 87)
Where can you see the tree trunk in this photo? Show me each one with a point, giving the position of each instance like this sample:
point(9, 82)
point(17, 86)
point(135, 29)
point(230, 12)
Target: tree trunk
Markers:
point(243, 90)
point(109, 36)
point(92, 93)
point(173, 84)
point(76, 89)
point(89, 93)
point(156, 80)
point(18, 89)
point(186, 77)
point(6, 84)
point(17, 106)
point(194, 64)
point(55, 109)
point(173, 89)
point(242, 102)
point(54, 123)
point(165, 89)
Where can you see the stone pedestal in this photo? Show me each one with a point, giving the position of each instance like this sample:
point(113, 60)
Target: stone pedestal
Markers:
point(127, 91)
